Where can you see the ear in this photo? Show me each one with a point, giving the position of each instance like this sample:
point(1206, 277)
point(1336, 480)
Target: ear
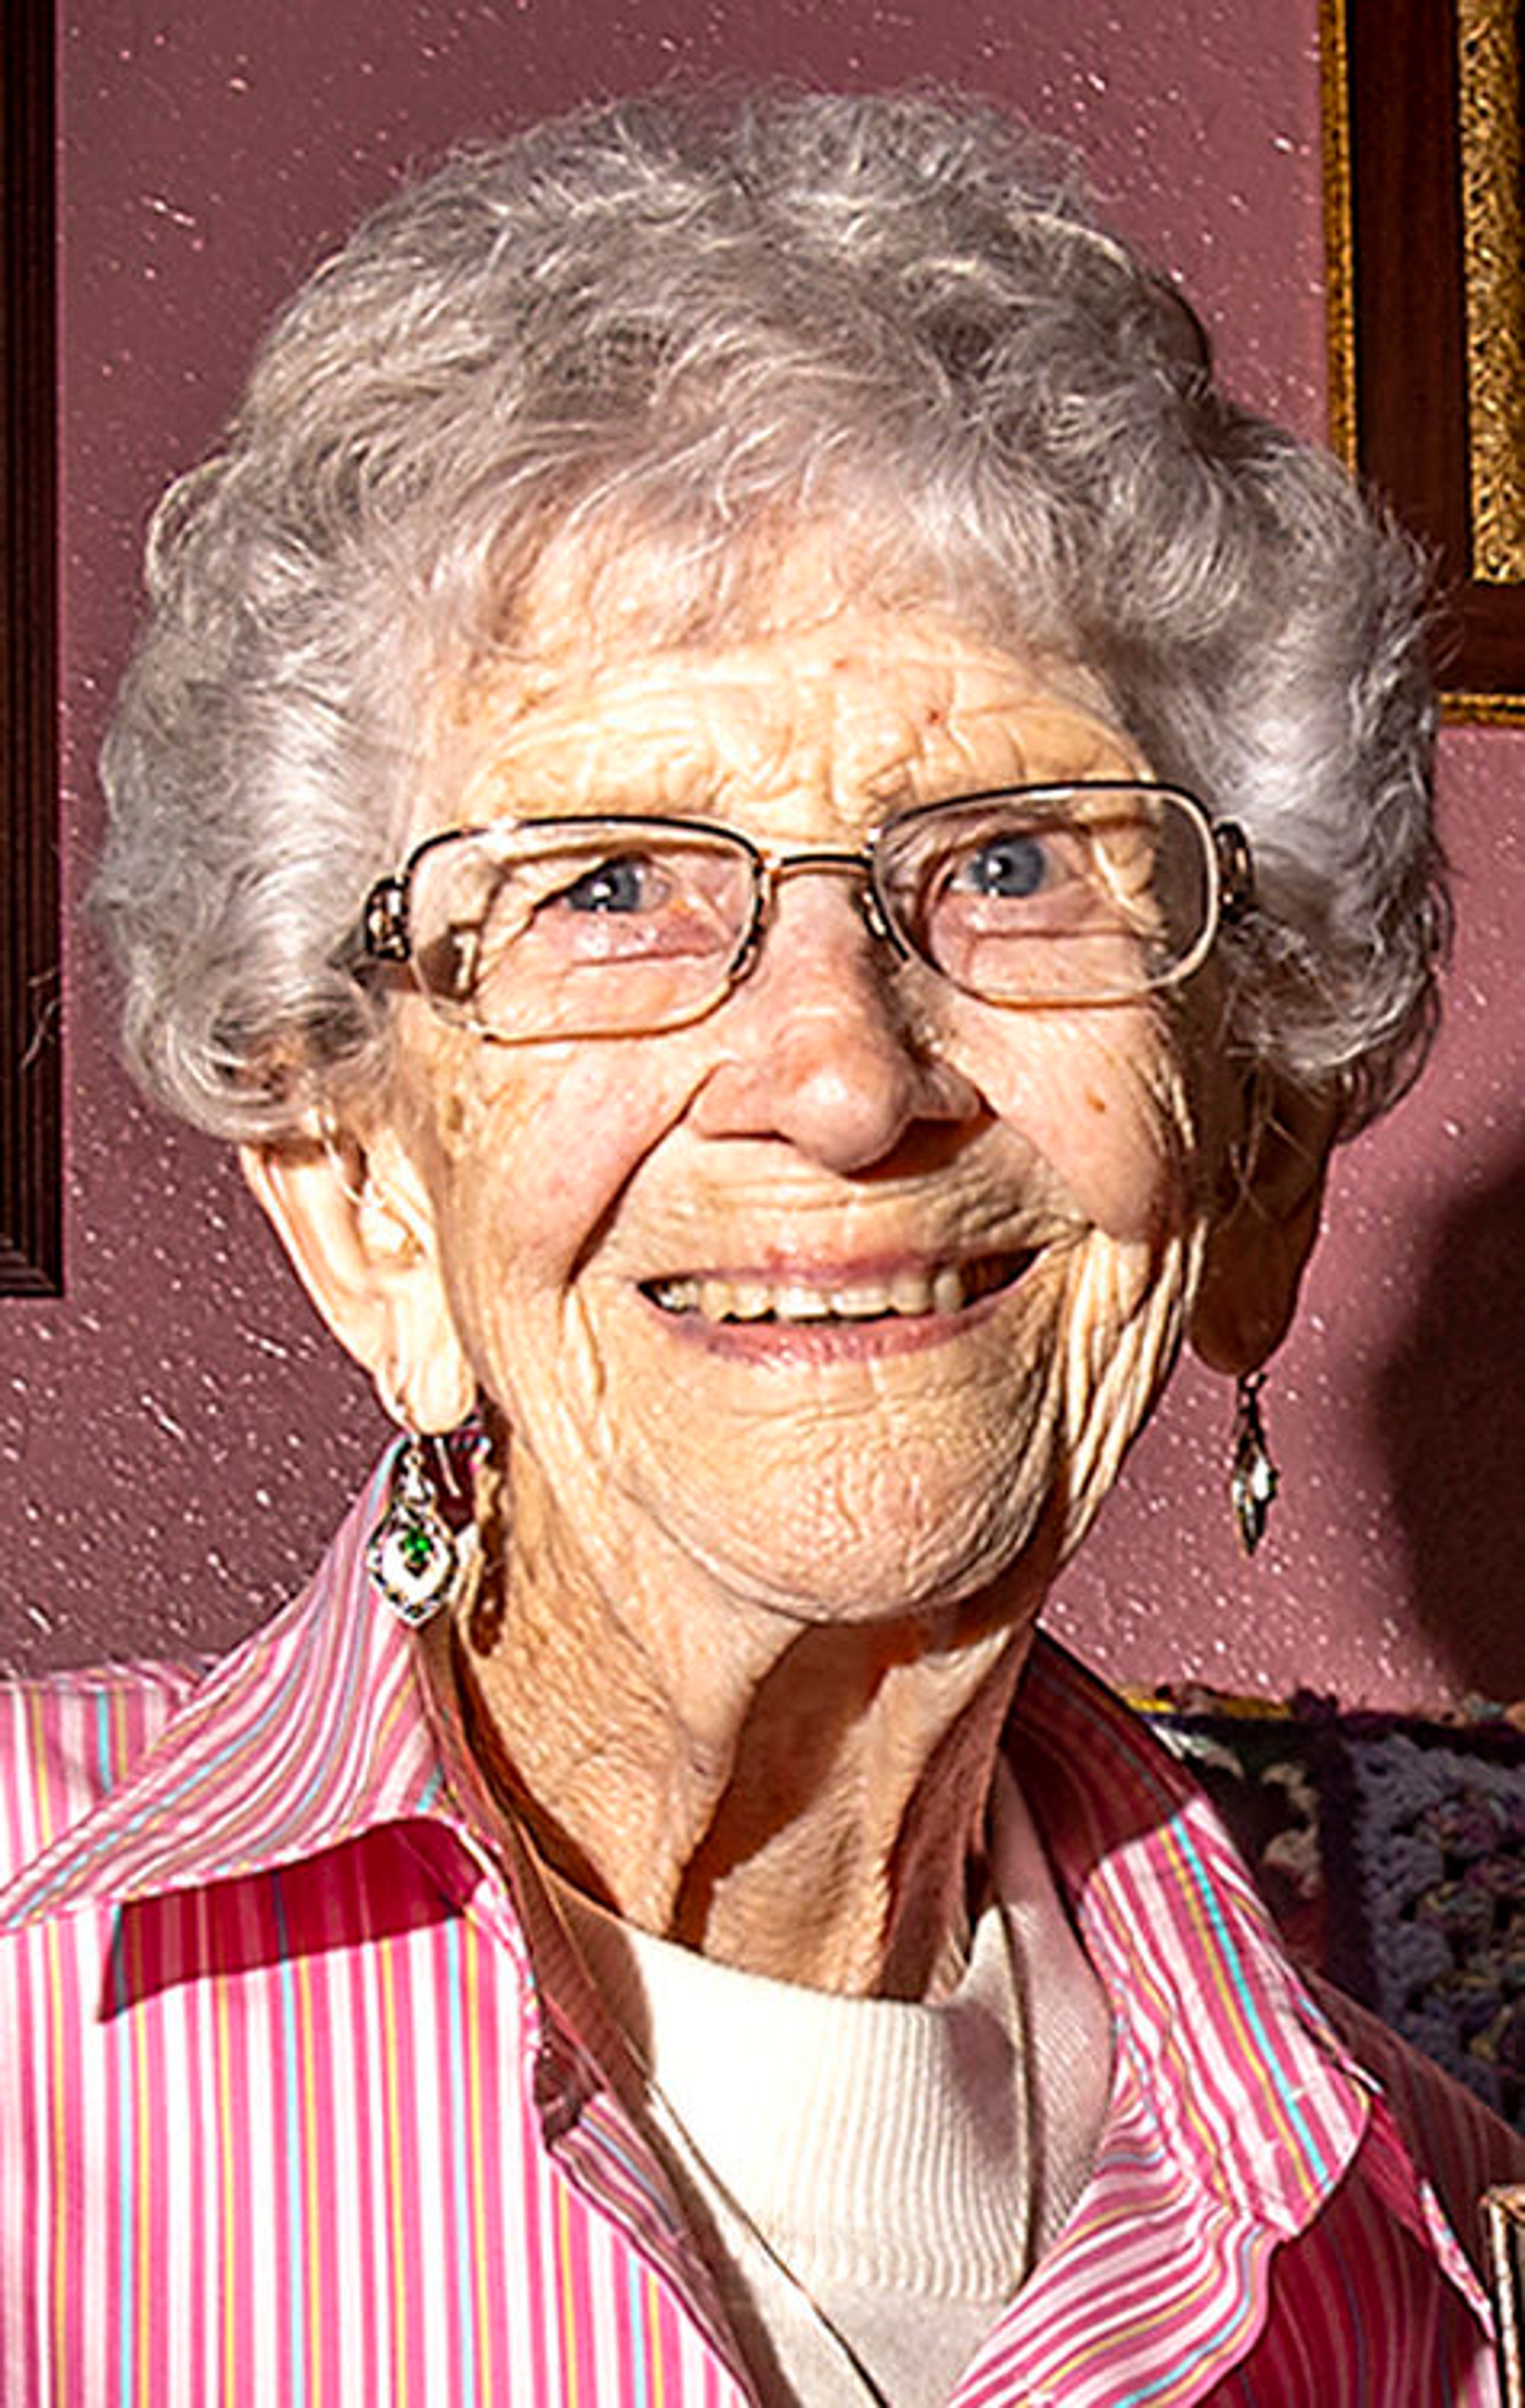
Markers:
point(1260, 1241)
point(359, 1227)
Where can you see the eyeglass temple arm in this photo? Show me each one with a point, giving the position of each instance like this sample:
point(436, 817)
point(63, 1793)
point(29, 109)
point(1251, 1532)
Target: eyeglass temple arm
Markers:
point(384, 930)
point(1235, 871)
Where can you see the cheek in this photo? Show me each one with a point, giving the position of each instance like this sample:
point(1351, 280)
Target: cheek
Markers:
point(534, 1147)
point(1104, 1100)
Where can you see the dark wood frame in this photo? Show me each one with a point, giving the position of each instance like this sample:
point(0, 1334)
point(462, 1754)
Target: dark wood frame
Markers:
point(1412, 133)
point(31, 1133)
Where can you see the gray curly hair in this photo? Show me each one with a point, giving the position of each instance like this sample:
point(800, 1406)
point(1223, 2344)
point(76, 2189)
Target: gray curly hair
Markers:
point(893, 315)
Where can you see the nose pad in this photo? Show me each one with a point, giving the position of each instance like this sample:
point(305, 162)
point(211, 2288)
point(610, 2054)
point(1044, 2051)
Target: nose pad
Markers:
point(878, 927)
point(819, 1047)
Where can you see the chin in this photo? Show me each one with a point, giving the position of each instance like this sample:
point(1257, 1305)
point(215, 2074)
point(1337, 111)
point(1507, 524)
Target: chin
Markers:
point(807, 1558)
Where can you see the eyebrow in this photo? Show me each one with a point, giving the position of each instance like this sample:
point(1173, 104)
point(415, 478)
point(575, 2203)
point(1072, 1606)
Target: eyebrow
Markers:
point(662, 782)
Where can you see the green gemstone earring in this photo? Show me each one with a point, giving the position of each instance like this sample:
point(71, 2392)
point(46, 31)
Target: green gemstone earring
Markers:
point(414, 1557)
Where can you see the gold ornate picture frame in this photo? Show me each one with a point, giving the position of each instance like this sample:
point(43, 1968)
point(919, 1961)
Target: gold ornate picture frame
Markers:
point(31, 1136)
point(1503, 2219)
point(1425, 227)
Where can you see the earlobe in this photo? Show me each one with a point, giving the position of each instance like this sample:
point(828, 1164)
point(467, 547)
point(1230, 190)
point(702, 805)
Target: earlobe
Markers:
point(1260, 1243)
point(357, 1226)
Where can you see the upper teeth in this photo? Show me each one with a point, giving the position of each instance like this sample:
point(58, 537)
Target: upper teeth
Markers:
point(747, 1299)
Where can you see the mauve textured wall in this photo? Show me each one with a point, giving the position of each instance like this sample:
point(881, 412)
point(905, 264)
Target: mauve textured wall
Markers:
point(176, 1437)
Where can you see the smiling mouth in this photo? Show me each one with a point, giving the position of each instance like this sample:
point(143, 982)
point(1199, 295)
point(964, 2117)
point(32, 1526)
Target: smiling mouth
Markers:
point(907, 1295)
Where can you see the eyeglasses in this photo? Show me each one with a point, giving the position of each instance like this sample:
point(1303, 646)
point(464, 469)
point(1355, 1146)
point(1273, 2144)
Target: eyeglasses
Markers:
point(1062, 897)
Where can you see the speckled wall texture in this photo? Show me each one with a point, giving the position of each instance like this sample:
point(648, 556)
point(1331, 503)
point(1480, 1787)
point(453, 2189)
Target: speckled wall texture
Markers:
point(175, 1438)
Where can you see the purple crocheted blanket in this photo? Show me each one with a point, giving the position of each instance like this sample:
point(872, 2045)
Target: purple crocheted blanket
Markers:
point(1392, 1851)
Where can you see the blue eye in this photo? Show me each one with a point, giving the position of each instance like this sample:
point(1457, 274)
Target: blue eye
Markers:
point(616, 885)
point(1013, 867)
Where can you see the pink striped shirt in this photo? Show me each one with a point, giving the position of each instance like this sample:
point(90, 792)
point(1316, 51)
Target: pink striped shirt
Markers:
point(294, 2112)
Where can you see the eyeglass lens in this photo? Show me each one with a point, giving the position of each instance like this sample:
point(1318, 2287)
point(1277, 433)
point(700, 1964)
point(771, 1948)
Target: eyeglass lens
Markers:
point(1072, 895)
point(600, 928)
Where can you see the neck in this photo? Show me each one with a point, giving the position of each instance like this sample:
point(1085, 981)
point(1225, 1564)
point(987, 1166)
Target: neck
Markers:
point(801, 1799)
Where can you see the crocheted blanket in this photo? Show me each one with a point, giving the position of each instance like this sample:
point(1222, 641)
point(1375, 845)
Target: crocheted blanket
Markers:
point(1392, 1850)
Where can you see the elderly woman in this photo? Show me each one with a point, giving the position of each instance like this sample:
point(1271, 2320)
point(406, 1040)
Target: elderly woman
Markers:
point(785, 844)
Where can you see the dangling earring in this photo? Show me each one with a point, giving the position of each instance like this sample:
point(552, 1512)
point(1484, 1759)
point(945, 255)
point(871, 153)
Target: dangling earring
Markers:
point(1253, 1478)
point(415, 1557)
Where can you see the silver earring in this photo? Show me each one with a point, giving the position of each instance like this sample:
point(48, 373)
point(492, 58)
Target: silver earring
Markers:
point(1253, 1478)
point(414, 1556)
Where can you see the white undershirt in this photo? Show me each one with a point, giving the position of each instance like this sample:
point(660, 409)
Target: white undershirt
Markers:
point(871, 2172)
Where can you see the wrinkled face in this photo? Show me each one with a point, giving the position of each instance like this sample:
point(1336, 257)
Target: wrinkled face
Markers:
point(850, 1291)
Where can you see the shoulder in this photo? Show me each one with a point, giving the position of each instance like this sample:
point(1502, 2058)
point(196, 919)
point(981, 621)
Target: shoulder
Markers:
point(1457, 2142)
point(68, 1738)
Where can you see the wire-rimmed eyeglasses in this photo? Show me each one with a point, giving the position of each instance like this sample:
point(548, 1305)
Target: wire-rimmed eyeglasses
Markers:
point(1056, 896)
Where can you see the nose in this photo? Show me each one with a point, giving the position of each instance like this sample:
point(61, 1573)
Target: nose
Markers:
point(818, 1049)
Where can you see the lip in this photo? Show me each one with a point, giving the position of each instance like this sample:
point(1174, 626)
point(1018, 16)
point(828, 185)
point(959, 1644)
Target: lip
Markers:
point(787, 1343)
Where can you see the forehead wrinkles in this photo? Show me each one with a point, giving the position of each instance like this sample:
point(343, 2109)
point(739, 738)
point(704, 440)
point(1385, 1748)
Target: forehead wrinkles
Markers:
point(853, 724)
point(764, 718)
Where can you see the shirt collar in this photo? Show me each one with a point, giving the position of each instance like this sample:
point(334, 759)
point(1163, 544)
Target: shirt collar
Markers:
point(1233, 2057)
point(332, 1720)
point(313, 1731)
